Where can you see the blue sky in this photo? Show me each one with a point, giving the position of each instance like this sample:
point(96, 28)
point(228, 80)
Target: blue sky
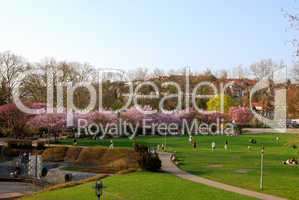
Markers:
point(148, 33)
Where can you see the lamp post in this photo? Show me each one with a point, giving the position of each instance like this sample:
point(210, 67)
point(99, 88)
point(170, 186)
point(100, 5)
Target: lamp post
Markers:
point(99, 189)
point(262, 168)
point(165, 137)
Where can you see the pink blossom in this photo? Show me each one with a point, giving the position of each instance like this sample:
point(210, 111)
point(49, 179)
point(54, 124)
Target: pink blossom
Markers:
point(163, 118)
point(103, 117)
point(133, 115)
point(13, 118)
point(52, 121)
point(186, 114)
point(240, 115)
point(212, 117)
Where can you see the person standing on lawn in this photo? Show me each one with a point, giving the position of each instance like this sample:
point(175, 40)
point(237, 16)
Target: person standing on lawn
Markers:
point(213, 146)
point(111, 144)
point(190, 138)
point(194, 144)
point(226, 145)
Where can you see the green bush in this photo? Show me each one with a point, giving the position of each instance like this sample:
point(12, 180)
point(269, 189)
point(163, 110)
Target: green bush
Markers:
point(4, 132)
point(1, 156)
point(9, 152)
point(20, 144)
point(147, 160)
point(140, 148)
point(29, 131)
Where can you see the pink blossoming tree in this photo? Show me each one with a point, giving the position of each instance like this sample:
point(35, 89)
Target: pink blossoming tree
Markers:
point(13, 120)
point(240, 116)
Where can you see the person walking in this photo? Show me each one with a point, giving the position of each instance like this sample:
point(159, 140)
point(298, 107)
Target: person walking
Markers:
point(111, 144)
point(226, 145)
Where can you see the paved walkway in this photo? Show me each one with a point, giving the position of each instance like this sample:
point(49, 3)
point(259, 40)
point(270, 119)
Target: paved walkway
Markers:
point(168, 166)
point(12, 195)
point(13, 190)
point(268, 130)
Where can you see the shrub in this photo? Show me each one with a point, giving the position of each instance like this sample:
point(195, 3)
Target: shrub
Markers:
point(214, 104)
point(1, 156)
point(147, 160)
point(44, 171)
point(9, 152)
point(5, 132)
point(20, 144)
point(152, 162)
point(140, 148)
point(30, 131)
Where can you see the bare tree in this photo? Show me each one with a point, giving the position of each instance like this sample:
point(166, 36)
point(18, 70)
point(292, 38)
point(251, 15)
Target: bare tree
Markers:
point(293, 19)
point(296, 72)
point(263, 68)
point(240, 72)
point(140, 73)
point(158, 73)
point(11, 66)
point(34, 85)
point(223, 74)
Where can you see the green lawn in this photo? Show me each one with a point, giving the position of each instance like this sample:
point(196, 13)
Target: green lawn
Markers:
point(238, 166)
point(141, 185)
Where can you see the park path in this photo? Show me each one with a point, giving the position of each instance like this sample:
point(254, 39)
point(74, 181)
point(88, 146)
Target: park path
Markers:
point(169, 166)
point(12, 195)
point(268, 130)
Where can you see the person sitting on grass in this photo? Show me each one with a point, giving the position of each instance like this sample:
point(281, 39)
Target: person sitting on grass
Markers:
point(252, 141)
point(291, 161)
point(173, 157)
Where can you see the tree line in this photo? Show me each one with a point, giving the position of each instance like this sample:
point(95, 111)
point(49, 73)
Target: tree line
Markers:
point(33, 87)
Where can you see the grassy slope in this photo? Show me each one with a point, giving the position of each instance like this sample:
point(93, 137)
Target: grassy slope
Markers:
point(238, 166)
point(141, 185)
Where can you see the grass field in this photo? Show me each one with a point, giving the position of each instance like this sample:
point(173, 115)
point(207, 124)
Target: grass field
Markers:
point(238, 165)
point(141, 185)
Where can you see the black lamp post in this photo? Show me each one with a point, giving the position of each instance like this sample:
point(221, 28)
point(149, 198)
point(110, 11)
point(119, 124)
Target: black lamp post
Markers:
point(99, 189)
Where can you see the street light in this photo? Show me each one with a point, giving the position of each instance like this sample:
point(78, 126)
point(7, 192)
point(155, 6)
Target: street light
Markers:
point(262, 167)
point(99, 189)
point(165, 137)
